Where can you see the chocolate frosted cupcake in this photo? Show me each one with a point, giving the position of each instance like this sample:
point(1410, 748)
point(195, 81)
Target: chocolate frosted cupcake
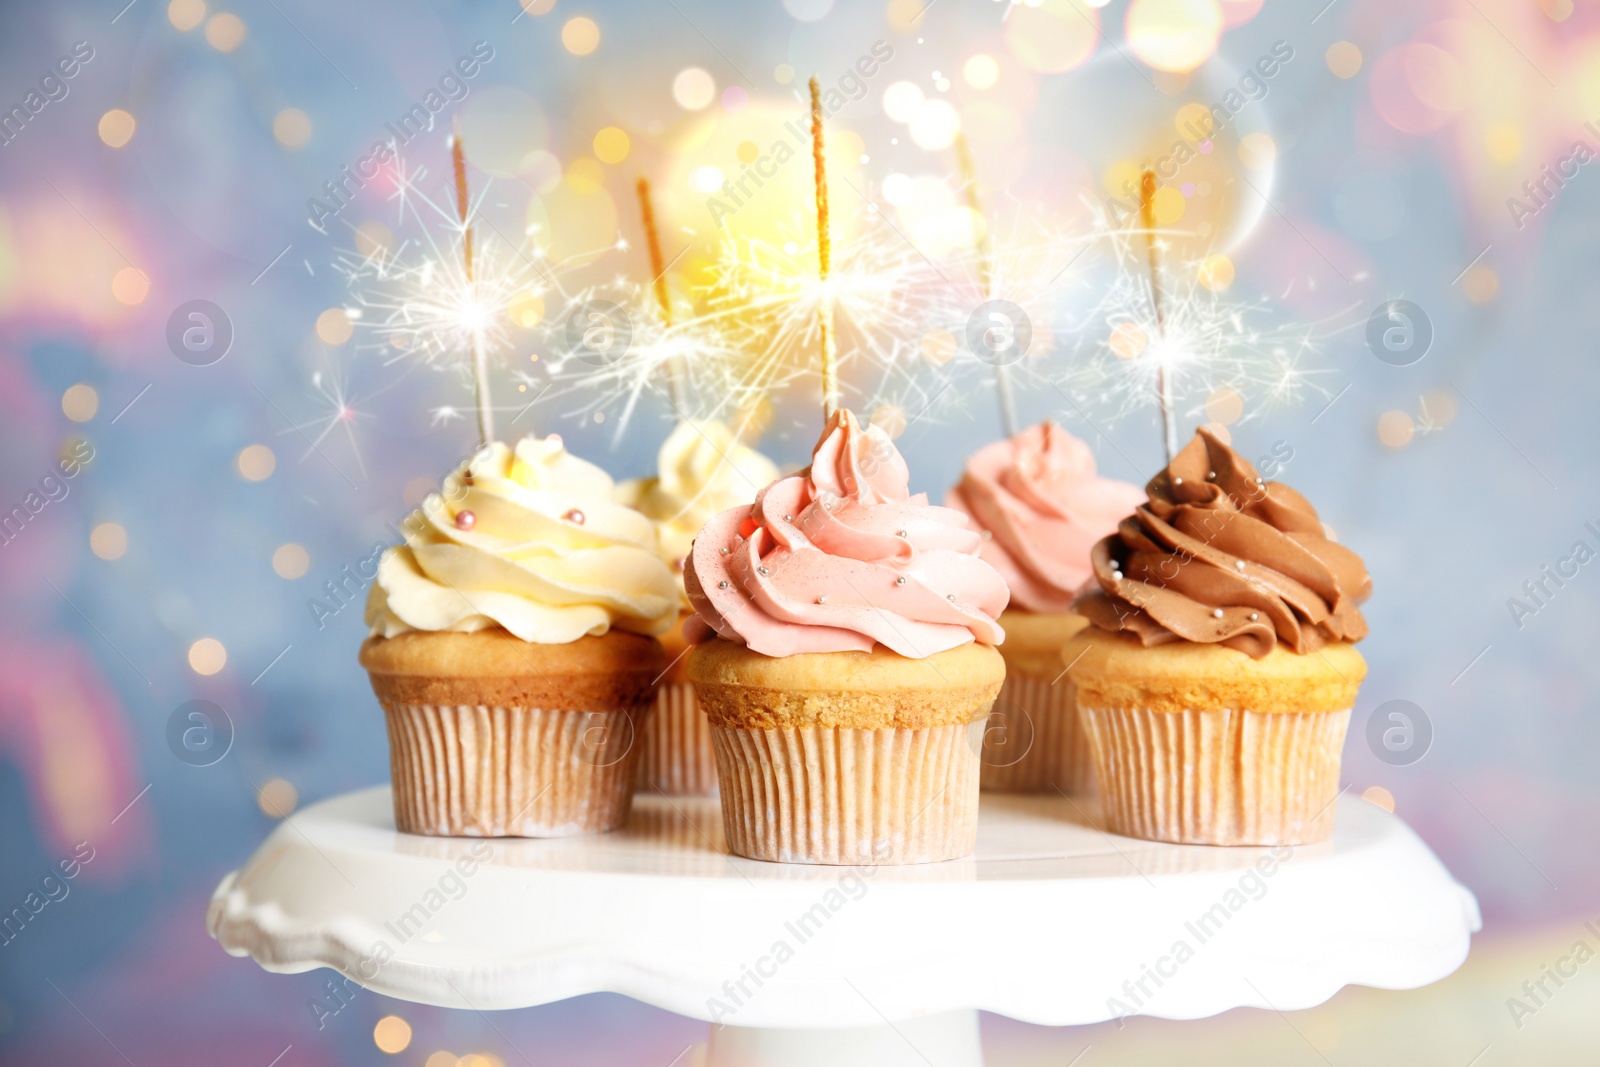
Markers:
point(702, 469)
point(852, 666)
point(513, 648)
point(1040, 507)
point(1216, 681)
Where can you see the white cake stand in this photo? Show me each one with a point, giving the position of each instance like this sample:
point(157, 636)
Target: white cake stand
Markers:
point(1052, 922)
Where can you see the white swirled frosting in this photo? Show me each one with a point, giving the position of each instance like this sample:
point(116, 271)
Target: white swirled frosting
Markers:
point(529, 539)
point(703, 469)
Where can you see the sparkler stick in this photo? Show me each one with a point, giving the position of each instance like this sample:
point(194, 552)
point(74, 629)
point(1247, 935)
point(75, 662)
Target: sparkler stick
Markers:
point(1002, 374)
point(830, 354)
point(1147, 216)
point(653, 240)
point(480, 352)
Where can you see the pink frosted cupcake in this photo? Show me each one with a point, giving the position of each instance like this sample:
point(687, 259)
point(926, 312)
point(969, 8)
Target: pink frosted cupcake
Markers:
point(1041, 508)
point(852, 666)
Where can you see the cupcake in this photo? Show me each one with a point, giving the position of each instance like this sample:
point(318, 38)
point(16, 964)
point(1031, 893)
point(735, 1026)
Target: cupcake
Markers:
point(1216, 680)
point(1040, 508)
point(703, 469)
point(852, 663)
point(514, 648)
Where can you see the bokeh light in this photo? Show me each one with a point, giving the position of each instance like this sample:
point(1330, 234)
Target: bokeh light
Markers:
point(255, 463)
point(130, 286)
point(108, 540)
point(1395, 429)
point(981, 71)
point(935, 125)
point(278, 798)
point(225, 32)
point(1053, 37)
point(1216, 273)
point(291, 127)
point(580, 36)
point(391, 1034)
point(611, 145)
point(693, 88)
point(207, 656)
point(290, 561)
point(186, 14)
point(1343, 58)
point(117, 127)
point(334, 326)
point(80, 402)
point(1378, 795)
point(1174, 35)
point(1225, 406)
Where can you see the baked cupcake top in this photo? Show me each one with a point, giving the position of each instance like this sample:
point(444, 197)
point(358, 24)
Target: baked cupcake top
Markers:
point(841, 557)
point(528, 539)
point(702, 469)
point(1041, 507)
point(1219, 555)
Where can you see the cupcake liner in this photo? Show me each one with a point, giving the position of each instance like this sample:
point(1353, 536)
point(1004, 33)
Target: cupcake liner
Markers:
point(1217, 777)
point(675, 754)
point(1055, 750)
point(816, 794)
point(476, 771)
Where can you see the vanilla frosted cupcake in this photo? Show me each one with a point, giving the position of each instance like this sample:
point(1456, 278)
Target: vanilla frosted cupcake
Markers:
point(513, 647)
point(1041, 508)
point(852, 667)
point(1217, 679)
point(702, 469)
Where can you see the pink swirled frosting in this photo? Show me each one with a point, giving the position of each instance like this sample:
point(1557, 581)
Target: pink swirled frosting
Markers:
point(842, 557)
point(1038, 499)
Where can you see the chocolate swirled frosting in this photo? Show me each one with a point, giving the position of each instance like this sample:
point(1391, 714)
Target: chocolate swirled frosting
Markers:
point(1219, 555)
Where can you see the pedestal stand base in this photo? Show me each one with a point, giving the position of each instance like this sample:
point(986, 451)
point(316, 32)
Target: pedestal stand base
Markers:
point(949, 1039)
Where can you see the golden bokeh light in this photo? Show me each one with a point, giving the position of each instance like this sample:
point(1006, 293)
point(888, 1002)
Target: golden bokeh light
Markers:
point(1127, 340)
point(584, 176)
point(392, 1034)
point(290, 561)
point(890, 418)
point(80, 402)
point(1481, 283)
point(130, 286)
point(1395, 429)
point(938, 347)
point(1503, 142)
point(255, 463)
point(117, 127)
point(1216, 272)
point(1258, 151)
point(278, 798)
point(527, 310)
point(1343, 58)
point(207, 656)
point(580, 36)
point(1174, 35)
point(373, 238)
point(441, 1059)
point(225, 32)
point(186, 14)
point(291, 127)
point(108, 540)
point(935, 125)
point(611, 145)
point(538, 7)
point(1438, 408)
point(334, 326)
point(981, 71)
point(1053, 37)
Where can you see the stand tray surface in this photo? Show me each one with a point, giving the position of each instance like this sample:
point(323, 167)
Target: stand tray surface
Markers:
point(1052, 922)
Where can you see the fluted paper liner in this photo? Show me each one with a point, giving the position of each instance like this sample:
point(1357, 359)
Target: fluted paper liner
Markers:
point(1217, 777)
point(511, 772)
point(1057, 755)
point(675, 754)
point(814, 794)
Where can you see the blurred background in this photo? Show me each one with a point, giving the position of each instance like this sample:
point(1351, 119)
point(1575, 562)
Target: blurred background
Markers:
point(230, 359)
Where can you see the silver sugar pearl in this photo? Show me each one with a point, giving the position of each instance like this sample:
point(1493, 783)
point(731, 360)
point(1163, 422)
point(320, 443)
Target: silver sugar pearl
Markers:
point(1254, 616)
point(1216, 613)
point(950, 596)
point(900, 580)
point(723, 584)
point(1177, 481)
point(899, 533)
point(1211, 474)
point(763, 570)
point(725, 551)
point(822, 600)
point(788, 518)
point(1239, 563)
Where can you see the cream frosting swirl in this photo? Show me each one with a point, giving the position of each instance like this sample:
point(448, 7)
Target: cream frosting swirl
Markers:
point(528, 539)
point(1219, 555)
point(842, 557)
point(702, 468)
point(1037, 498)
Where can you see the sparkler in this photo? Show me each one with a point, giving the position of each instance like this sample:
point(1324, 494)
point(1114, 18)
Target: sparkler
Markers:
point(1147, 217)
point(653, 240)
point(983, 250)
point(480, 350)
point(830, 351)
